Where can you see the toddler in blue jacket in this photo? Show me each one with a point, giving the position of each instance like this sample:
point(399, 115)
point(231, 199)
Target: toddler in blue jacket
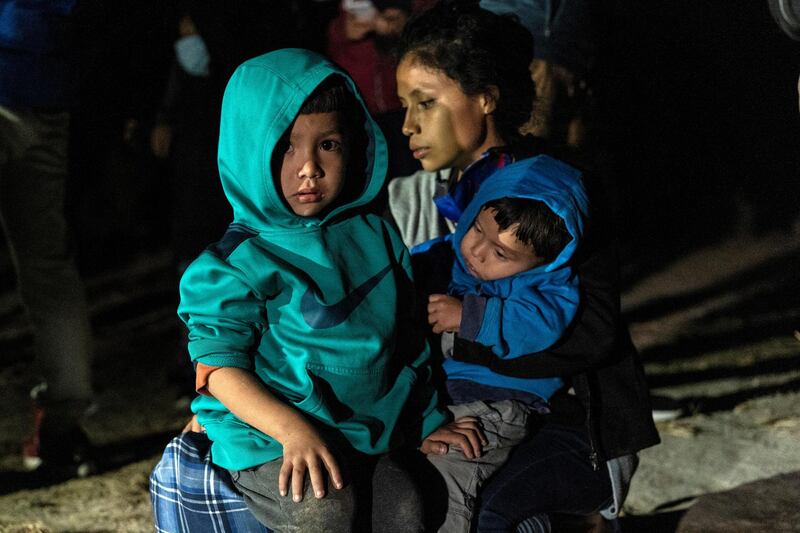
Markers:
point(513, 289)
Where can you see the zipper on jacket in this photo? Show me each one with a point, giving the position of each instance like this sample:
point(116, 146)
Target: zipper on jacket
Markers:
point(594, 457)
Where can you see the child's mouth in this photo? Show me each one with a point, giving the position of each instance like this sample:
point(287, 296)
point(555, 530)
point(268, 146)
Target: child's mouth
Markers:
point(308, 197)
point(471, 269)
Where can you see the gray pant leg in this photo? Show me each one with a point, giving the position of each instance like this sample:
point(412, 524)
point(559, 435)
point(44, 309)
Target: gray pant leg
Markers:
point(504, 424)
point(397, 505)
point(33, 168)
point(334, 513)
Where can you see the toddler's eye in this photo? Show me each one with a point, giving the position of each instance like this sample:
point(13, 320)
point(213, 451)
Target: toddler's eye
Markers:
point(330, 145)
point(426, 104)
point(500, 255)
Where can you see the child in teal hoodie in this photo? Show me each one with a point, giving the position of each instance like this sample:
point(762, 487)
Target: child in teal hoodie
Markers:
point(300, 317)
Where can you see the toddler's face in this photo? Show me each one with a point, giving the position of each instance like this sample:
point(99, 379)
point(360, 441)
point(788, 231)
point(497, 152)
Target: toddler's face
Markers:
point(314, 164)
point(491, 253)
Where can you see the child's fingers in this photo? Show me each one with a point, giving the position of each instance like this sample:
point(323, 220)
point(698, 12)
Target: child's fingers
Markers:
point(298, 477)
point(436, 298)
point(333, 469)
point(472, 426)
point(283, 477)
point(317, 479)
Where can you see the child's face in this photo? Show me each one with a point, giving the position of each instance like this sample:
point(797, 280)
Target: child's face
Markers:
point(313, 167)
point(446, 127)
point(494, 254)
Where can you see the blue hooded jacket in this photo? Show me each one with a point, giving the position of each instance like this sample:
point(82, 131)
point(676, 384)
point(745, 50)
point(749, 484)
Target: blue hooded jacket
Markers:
point(527, 312)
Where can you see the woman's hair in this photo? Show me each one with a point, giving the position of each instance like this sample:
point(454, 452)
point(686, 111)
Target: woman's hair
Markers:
point(478, 49)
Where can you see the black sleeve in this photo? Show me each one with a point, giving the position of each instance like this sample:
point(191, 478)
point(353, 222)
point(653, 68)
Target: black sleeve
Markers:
point(586, 343)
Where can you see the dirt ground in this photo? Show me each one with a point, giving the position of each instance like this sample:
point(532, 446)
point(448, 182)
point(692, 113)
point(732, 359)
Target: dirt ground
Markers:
point(715, 329)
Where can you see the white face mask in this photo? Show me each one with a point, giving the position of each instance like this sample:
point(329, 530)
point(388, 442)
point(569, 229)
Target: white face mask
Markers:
point(193, 55)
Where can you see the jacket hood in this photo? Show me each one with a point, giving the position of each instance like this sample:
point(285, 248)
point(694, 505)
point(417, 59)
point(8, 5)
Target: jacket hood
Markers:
point(262, 99)
point(541, 178)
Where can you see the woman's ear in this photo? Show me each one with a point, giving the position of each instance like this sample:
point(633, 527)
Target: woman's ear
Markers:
point(489, 99)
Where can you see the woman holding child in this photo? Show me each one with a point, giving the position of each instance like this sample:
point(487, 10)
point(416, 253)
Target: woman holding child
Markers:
point(464, 81)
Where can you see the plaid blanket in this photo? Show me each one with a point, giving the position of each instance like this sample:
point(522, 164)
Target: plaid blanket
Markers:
point(190, 494)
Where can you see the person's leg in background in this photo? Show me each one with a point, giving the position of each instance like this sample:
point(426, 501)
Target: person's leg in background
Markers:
point(33, 170)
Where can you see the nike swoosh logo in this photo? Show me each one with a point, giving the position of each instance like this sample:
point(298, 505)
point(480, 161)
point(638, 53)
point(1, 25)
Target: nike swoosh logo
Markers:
point(320, 316)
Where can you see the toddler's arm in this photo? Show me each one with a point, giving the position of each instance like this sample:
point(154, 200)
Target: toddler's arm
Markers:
point(303, 448)
point(527, 321)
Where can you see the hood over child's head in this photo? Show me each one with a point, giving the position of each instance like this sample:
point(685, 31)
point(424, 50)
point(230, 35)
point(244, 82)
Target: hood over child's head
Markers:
point(531, 213)
point(297, 145)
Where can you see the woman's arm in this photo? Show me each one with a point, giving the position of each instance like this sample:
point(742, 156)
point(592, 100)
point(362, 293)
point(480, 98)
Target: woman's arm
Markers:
point(303, 448)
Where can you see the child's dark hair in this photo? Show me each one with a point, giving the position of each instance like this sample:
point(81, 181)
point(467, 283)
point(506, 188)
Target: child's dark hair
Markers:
point(538, 226)
point(332, 95)
point(478, 49)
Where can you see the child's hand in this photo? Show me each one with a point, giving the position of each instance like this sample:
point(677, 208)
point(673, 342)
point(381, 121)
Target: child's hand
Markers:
point(194, 426)
point(464, 433)
point(444, 313)
point(305, 451)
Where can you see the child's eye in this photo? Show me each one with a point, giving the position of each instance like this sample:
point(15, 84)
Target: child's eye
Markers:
point(426, 104)
point(289, 148)
point(330, 145)
point(500, 255)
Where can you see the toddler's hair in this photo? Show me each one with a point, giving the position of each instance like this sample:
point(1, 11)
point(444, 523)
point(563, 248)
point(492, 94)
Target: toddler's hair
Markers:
point(538, 225)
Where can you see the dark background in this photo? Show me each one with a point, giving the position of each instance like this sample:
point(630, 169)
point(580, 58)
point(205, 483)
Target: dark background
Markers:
point(697, 125)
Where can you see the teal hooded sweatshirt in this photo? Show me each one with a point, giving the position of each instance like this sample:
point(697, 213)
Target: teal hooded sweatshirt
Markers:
point(319, 309)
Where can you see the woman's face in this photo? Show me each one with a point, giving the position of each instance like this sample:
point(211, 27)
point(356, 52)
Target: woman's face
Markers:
point(446, 127)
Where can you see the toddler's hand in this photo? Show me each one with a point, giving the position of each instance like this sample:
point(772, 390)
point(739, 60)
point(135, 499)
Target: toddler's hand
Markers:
point(464, 432)
point(444, 313)
point(305, 451)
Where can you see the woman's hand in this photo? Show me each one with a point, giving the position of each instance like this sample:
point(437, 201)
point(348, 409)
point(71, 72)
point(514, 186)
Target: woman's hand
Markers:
point(305, 451)
point(464, 433)
point(444, 313)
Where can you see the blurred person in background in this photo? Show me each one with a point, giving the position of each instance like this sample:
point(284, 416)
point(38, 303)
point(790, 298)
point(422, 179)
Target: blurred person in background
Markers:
point(361, 39)
point(37, 90)
point(563, 32)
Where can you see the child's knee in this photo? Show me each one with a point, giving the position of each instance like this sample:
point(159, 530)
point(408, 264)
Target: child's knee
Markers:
point(336, 512)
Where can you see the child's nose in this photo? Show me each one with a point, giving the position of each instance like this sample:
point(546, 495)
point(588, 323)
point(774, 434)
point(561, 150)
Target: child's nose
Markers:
point(476, 252)
point(310, 170)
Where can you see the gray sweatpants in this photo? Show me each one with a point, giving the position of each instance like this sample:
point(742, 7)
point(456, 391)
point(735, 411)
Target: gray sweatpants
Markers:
point(379, 496)
point(505, 424)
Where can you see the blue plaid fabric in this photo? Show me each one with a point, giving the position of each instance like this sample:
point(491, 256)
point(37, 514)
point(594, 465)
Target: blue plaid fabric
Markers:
point(190, 494)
